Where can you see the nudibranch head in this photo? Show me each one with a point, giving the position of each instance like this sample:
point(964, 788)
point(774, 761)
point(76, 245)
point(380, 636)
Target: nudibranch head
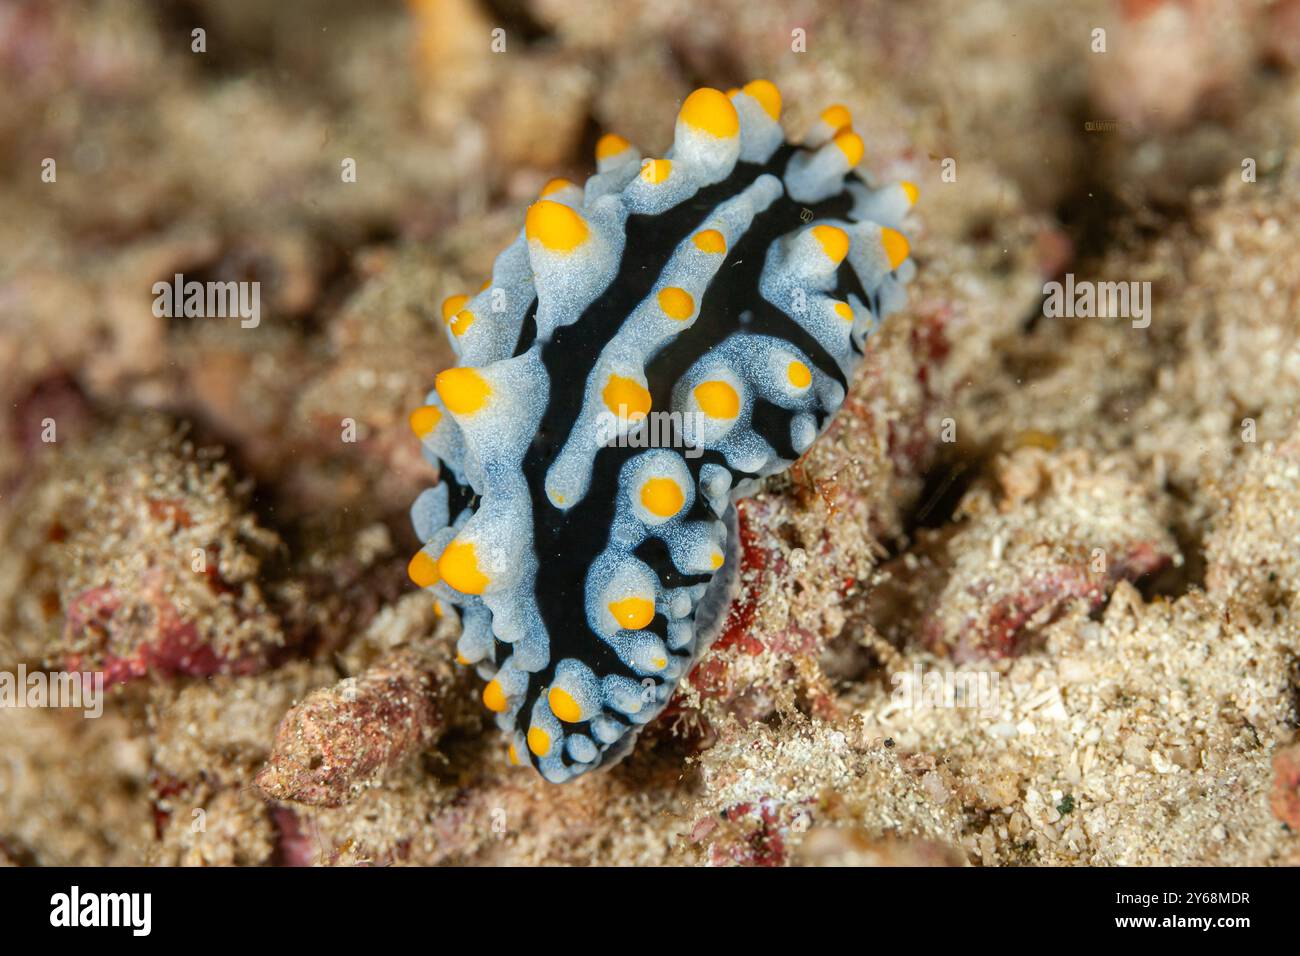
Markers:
point(652, 343)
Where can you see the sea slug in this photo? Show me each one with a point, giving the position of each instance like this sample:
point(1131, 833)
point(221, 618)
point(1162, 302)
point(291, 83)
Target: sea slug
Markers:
point(652, 344)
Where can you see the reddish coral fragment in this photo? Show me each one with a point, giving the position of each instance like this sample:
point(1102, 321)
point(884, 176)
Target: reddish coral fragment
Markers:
point(293, 846)
point(710, 675)
point(97, 625)
point(342, 736)
point(1285, 796)
point(1022, 559)
point(756, 839)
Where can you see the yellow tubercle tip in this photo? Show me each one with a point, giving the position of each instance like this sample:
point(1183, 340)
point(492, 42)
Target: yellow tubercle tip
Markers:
point(494, 698)
point(451, 305)
point(798, 374)
point(655, 171)
point(709, 111)
point(718, 399)
point(710, 240)
point(611, 144)
point(425, 419)
point(462, 659)
point(632, 613)
point(554, 186)
point(563, 705)
point(844, 311)
point(837, 117)
point(512, 755)
point(896, 246)
point(732, 91)
point(659, 663)
point(463, 390)
point(539, 741)
point(555, 226)
point(834, 242)
point(662, 497)
point(913, 194)
point(486, 283)
point(626, 397)
point(458, 566)
point(461, 321)
point(716, 559)
point(676, 303)
point(850, 144)
point(768, 96)
point(423, 570)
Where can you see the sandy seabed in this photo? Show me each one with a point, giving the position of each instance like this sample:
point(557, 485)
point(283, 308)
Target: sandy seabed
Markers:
point(1030, 600)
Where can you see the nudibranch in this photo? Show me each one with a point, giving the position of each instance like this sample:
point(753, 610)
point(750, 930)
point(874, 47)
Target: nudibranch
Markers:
point(651, 345)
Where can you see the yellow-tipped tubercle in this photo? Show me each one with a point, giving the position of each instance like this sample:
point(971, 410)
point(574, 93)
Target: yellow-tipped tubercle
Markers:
point(655, 171)
point(611, 144)
point(834, 242)
point(423, 570)
point(494, 698)
point(425, 419)
point(710, 240)
point(555, 226)
point(626, 397)
point(709, 111)
point(837, 117)
point(798, 374)
point(463, 390)
point(563, 705)
point(662, 497)
point(718, 399)
point(676, 303)
point(461, 321)
point(768, 96)
point(458, 566)
point(896, 246)
point(850, 144)
point(633, 613)
point(451, 305)
point(539, 741)
point(554, 186)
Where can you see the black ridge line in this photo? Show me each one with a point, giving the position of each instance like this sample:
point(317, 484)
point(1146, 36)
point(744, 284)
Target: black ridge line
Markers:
point(567, 542)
